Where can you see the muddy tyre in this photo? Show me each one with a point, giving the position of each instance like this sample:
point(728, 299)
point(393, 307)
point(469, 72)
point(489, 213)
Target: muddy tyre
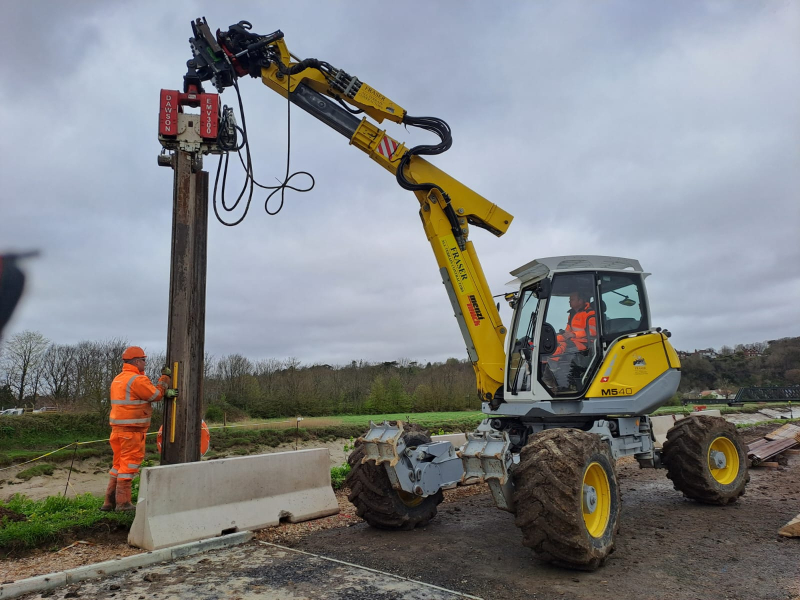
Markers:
point(567, 498)
point(706, 459)
point(378, 503)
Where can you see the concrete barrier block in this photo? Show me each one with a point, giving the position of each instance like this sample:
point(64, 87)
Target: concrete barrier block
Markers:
point(110, 567)
point(457, 439)
point(194, 501)
point(661, 425)
point(711, 412)
point(32, 584)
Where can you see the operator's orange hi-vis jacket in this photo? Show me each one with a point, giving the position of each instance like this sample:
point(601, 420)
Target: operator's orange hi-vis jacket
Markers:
point(583, 325)
point(132, 395)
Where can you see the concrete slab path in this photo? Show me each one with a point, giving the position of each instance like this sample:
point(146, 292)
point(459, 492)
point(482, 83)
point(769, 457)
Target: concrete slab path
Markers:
point(252, 570)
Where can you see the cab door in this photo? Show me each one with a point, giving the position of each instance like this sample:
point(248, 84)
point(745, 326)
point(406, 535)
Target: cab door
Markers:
point(569, 343)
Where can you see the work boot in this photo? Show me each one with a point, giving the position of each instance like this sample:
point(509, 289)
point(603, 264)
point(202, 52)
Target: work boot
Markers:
point(124, 495)
point(111, 495)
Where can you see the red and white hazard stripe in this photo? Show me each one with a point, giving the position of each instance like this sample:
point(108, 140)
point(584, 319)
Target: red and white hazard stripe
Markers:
point(387, 146)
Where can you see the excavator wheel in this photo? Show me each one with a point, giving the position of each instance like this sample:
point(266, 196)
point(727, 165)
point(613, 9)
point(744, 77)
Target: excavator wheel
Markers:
point(378, 503)
point(706, 460)
point(567, 498)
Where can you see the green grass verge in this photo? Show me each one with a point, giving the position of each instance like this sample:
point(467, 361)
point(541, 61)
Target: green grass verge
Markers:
point(40, 469)
point(338, 475)
point(51, 521)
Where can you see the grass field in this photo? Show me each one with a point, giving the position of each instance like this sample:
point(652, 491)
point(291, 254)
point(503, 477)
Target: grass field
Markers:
point(438, 419)
point(23, 439)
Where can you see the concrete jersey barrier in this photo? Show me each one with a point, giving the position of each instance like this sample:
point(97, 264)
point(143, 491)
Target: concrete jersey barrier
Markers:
point(193, 501)
point(662, 424)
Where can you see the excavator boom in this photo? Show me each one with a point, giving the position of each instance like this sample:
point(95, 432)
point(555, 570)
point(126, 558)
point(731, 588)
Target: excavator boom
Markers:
point(447, 206)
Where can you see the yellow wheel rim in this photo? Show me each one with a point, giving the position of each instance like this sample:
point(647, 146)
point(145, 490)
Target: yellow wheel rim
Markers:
point(410, 500)
point(596, 500)
point(728, 473)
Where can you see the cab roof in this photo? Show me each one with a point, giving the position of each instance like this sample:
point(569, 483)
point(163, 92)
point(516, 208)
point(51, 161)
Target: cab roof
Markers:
point(541, 267)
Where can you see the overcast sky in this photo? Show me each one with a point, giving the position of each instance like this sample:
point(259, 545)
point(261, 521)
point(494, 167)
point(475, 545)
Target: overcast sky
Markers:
point(663, 131)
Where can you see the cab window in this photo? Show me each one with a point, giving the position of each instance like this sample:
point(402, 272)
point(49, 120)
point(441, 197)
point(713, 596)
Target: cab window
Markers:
point(520, 351)
point(621, 306)
point(572, 314)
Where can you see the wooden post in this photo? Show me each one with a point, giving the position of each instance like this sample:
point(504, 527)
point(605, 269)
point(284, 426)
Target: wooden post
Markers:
point(187, 309)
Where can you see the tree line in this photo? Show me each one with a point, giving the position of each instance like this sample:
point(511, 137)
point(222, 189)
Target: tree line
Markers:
point(35, 371)
point(777, 364)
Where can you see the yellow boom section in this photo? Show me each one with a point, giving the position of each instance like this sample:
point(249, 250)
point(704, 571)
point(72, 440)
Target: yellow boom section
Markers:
point(459, 267)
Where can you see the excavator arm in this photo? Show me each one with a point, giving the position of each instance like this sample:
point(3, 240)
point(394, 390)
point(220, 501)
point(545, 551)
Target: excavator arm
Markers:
point(447, 206)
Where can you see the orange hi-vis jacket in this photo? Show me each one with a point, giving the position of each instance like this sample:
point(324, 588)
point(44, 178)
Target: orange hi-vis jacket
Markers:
point(131, 396)
point(584, 325)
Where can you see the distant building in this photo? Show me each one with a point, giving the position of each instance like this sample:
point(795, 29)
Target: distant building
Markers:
point(706, 353)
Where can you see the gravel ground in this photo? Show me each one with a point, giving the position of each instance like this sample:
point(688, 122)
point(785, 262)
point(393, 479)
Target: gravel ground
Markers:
point(114, 545)
point(668, 547)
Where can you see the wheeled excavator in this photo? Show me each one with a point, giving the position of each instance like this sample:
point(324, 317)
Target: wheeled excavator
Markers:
point(559, 411)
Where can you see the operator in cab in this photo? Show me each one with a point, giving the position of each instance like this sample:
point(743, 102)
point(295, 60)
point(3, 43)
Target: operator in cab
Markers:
point(572, 343)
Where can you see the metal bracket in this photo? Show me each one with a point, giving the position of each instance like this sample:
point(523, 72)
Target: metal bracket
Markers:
point(487, 456)
point(381, 441)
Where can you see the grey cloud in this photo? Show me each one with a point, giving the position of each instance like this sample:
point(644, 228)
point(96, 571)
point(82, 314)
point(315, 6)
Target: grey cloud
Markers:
point(661, 132)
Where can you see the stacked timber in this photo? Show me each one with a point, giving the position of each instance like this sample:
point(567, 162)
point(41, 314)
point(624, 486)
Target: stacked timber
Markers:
point(772, 444)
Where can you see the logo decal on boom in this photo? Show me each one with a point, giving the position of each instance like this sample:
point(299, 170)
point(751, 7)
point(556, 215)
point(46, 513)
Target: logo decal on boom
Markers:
point(475, 310)
point(457, 267)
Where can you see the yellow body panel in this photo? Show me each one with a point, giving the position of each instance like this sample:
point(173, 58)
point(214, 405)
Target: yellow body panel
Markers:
point(631, 363)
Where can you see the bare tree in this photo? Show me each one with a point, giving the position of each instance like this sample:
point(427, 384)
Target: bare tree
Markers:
point(155, 362)
point(22, 362)
point(58, 371)
point(96, 365)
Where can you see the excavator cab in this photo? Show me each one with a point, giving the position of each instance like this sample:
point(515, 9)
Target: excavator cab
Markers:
point(572, 317)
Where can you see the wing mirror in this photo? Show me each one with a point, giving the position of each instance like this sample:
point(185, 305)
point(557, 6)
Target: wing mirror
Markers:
point(544, 289)
point(547, 345)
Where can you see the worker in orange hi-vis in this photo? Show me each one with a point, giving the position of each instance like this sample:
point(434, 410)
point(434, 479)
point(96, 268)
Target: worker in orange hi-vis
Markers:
point(132, 395)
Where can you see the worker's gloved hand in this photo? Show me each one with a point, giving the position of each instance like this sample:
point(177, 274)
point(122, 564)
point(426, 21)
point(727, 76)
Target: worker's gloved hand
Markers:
point(166, 371)
point(171, 393)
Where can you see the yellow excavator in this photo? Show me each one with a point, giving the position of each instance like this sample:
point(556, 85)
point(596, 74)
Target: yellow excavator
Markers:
point(565, 392)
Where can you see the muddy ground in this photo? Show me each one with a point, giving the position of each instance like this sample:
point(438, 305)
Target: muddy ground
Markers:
point(667, 548)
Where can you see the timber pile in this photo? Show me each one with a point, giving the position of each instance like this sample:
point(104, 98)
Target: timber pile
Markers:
point(791, 529)
point(774, 443)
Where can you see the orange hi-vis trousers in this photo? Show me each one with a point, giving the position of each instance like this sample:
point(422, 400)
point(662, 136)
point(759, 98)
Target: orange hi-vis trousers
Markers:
point(128, 448)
